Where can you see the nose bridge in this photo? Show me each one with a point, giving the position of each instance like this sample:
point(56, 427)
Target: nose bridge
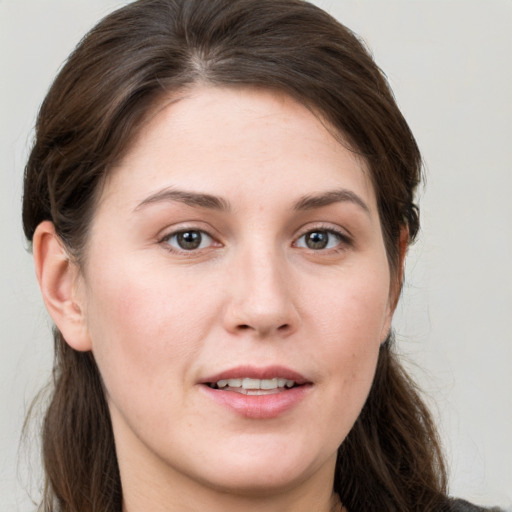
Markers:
point(262, 298)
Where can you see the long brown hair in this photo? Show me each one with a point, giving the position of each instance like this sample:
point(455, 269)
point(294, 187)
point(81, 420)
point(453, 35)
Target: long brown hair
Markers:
point(391, 459)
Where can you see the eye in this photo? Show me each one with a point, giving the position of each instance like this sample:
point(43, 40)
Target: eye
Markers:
point(188, 240)
point(319, 239)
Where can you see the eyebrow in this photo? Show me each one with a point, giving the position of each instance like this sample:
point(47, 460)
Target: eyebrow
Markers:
point(310, 202)
point(209, 201)
point(189, 198)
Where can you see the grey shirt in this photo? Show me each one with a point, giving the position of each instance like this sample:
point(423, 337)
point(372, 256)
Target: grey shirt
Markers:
point(464, 506)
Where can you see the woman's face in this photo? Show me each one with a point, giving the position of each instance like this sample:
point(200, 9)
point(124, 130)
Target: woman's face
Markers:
point(236, 290)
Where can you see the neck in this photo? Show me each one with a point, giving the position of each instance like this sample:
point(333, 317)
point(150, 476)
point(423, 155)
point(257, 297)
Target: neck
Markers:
point(225, 503)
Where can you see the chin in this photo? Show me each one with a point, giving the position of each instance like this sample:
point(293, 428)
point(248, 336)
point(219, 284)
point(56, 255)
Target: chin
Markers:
point(265, 476)
point(251, 482)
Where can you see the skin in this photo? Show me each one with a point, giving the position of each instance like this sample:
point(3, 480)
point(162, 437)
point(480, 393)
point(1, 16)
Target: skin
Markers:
point(159, 318)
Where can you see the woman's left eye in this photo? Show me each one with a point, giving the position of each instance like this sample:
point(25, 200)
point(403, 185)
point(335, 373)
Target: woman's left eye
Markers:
point(320, 239)
point(188, 240)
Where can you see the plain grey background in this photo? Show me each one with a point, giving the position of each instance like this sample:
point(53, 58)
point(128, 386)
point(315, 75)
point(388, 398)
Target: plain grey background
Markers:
point(449, 63)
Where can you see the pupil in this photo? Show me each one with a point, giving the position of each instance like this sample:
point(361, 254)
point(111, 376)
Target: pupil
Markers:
point(189, 240)
point(317, 240)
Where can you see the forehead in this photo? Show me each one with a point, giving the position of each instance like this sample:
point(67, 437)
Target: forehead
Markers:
point(236, 141)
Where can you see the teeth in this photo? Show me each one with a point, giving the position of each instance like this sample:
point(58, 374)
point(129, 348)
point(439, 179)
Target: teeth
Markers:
point(252, 384)
point(268, 384)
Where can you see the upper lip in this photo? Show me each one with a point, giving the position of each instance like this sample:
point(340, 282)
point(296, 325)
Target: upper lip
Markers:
point(252, 372)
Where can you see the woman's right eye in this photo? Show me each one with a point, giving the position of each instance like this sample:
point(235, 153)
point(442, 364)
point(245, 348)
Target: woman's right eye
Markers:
point(188, 240)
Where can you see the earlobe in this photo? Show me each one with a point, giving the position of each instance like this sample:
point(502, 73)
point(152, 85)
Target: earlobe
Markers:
point(58, 278)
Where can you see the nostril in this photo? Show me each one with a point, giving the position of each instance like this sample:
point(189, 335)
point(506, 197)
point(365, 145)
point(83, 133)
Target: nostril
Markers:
point(281, 328)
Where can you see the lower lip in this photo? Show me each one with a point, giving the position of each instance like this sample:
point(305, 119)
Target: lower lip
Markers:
point(258, 406)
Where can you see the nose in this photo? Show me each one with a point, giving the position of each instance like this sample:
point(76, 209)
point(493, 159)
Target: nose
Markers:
point(262, 297)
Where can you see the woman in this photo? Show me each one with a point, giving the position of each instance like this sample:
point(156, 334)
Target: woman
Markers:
point(220, 344)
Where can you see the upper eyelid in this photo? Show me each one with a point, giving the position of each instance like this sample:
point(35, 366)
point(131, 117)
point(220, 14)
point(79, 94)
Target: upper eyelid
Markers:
point(176, 232)
point(215, 236)
point(185, 230)
point(308, 228)
point(169, 231)
point(341, 236)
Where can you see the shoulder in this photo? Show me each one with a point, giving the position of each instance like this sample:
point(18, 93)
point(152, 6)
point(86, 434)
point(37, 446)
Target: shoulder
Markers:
point(464, 506)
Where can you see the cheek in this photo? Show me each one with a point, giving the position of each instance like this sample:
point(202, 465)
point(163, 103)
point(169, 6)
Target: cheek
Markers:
point(352, 319)
point(145, 328)
point(352, 309)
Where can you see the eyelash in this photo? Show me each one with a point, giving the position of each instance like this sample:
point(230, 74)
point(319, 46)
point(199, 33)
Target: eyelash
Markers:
point(343, 240)
point(165, 241)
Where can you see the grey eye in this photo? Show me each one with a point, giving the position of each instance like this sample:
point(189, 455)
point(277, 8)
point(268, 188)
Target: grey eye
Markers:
point(319, 239)
point(189, 240)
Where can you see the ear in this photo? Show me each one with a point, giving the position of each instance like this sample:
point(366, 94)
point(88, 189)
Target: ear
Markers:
point(400, 270)
point(397, 279)
point(59, 279)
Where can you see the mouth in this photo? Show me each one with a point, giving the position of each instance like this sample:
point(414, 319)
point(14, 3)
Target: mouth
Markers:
point(255, 387)
point(257, 393)
point(249, 380)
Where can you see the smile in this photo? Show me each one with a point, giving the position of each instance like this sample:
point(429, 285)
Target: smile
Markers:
point(249, 386)
point(257, 393)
